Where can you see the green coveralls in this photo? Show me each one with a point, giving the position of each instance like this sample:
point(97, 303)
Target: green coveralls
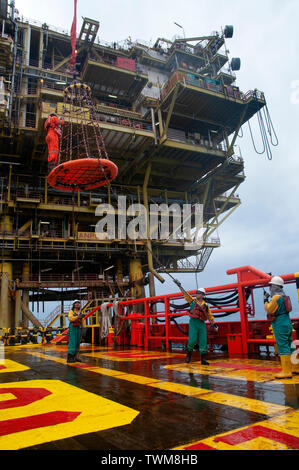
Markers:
point(282, 328)
point(197, 333)
point(74, 339)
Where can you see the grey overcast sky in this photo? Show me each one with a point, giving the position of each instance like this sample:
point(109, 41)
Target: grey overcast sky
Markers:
point(263, 232)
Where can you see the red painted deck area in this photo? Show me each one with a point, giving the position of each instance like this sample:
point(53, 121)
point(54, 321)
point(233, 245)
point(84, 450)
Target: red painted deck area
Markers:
point(135, 399)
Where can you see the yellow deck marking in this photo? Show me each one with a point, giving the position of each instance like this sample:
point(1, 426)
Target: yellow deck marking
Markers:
point(96, 414)
point(47, 356)
point(6, 396)
point(286, 423)
point(249, 404)
point(24, 346)
point(261, 443)
point(130, 355)
point(281, 419)
point(232, 373)
point(138, 379)
point(11, 366)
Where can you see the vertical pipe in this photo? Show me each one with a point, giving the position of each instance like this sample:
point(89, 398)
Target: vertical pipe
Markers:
point(25, 297)
point(13, 77)
point(136, 276)
point(5, 314)
point(147, 324)
point(161, 128)
point(148, 241)
point(244, 319)
point(167, 312)
point(154, 125)
point(41, 49)
point(18, 309)
point(9, 183)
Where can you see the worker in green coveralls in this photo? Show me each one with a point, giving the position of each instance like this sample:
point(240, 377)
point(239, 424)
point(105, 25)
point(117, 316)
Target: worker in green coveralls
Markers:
point(75, 318)
point(278, 313)
point(199, 313)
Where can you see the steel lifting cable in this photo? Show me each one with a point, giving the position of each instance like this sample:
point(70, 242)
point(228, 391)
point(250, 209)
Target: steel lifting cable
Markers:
point(264, 128)
point(270, 126)
point(266, 147)
point(253, 142)
point(75, 245)
point(264, 136)
point(242, 133)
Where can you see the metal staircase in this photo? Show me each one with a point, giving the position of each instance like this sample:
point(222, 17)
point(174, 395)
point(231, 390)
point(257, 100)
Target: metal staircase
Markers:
point(57, 312)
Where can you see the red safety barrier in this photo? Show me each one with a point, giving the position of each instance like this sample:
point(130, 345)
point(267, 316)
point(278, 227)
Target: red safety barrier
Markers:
point(149, 329)
point(244, 340)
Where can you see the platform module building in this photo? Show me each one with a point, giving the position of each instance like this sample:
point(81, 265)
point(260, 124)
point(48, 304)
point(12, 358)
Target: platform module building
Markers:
point(170, 114)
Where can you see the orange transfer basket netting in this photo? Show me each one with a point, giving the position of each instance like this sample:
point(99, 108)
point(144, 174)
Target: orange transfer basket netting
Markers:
point(83, 161)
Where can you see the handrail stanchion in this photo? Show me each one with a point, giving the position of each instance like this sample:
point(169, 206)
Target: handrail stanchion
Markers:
point(147, 323)
point(244, 319)
point(167, 321)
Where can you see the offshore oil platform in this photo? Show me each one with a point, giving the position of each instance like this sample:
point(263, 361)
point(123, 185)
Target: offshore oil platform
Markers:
point(169, 117)
point(90, 130)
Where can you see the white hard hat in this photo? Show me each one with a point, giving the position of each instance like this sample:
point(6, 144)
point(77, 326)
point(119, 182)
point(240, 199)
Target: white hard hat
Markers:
point(201, 290)
point(277, 281)
point(77, 301)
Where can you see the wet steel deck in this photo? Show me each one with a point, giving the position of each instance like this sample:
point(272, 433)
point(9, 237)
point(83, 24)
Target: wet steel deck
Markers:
point(131, 399)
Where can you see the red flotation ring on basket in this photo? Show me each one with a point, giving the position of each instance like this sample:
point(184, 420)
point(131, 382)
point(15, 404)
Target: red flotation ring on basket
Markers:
point(83, 174)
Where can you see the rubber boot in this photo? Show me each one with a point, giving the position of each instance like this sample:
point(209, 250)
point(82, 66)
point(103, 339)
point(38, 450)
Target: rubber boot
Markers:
point(203, 360)
point(188, 357)
point(286, 366)
point(295, 367)
point(77, 358)
point(70, 359)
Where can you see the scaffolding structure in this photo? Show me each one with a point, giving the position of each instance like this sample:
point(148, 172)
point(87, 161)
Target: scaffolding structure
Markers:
point(170, 115)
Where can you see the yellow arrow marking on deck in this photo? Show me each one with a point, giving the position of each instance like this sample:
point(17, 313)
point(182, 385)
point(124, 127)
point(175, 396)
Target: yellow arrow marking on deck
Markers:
point(39, 411)
point(286, 424)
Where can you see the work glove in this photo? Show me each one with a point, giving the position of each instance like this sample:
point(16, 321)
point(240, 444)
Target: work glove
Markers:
point(266, 297)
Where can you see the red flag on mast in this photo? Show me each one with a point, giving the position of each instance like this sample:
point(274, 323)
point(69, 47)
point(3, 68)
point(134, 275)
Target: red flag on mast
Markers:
point(74, 37)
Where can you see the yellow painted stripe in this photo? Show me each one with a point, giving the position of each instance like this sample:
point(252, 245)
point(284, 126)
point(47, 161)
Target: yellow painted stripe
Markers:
point(232, 373)
point(123, 376)
point(248, 404)
point(182, 389)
